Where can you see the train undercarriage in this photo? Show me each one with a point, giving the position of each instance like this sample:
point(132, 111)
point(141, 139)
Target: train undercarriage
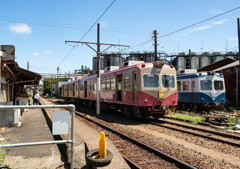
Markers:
point(126, 110)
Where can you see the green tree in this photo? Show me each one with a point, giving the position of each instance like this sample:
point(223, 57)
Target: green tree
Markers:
point(47, 84)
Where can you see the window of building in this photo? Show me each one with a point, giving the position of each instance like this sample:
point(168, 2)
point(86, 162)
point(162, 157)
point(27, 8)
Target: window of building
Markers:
point(151, 81)
point(206, 84)
point(185, 85)
point(127, 82)
point(179, 85)
point(168, 81)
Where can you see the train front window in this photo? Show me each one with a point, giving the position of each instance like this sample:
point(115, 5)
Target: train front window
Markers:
point(168, 81)
point(151, 81)
point(206, 84)
point(218, 85)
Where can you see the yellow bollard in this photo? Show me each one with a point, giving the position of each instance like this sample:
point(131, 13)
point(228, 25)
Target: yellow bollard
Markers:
point(102, 149)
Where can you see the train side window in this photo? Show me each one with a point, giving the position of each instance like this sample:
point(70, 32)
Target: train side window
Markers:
point(112, 84)
point(107, 84)
point(127, 82)
point(179, 85)
point(103, 85)
point(90, 85)
point(185, 85)
point(193, 85)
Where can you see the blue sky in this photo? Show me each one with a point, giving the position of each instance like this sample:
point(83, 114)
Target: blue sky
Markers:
point(38, 29)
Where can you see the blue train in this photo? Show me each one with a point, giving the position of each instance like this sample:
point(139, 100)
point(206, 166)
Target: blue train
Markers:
point(200, 87)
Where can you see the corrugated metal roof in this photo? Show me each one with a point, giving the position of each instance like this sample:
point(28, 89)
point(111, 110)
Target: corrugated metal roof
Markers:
point(236, 63)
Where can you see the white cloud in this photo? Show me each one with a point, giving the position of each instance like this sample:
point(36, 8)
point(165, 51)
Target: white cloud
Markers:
point(215, 11)
point(174, 39)
point(47, 52)
point(200, 28)
point(104, 24)
point(232, 38)
point(218, 22)
point(184, 34)
point(21, 28)
point(35, 53)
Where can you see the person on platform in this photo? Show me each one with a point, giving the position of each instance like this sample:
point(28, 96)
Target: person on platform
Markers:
point(36, 98)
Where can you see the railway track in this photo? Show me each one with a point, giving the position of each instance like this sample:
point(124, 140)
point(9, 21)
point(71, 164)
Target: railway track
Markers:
point(200, 132)
point(139, 150)
point(137, 154)
point(191, 157)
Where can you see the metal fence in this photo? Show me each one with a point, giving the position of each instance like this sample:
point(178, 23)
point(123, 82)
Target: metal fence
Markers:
point(72, 107)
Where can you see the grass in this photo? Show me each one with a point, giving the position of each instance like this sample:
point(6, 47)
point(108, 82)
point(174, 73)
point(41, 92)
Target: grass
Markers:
point(231, 120)
point(192, 119)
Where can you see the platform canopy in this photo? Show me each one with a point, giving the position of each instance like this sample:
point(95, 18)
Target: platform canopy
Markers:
point(20, 75)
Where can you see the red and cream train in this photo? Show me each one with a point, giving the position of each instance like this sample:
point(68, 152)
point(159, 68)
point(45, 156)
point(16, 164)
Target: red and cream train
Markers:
point(140, 90)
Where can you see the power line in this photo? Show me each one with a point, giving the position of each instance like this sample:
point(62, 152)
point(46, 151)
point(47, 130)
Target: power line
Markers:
point(87, 32)
point(186, 27)
point(67, 26)
point(198, 22)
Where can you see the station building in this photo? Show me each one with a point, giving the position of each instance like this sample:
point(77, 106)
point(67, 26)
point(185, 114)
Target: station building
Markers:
point(13, 80)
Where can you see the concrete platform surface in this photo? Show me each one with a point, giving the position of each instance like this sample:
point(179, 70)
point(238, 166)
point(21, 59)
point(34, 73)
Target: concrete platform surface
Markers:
point(34, 128)
point(89, 136)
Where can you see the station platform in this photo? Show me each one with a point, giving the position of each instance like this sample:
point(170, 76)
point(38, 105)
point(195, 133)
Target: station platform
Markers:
point(34, 128)
point(87, 138)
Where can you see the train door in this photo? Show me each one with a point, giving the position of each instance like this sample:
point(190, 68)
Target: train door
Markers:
point(85, 89)
point(134, 87)
point(119, 87)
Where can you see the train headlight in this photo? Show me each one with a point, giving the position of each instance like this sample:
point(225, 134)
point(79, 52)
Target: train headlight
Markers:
point(145, 100)
point(158, 64)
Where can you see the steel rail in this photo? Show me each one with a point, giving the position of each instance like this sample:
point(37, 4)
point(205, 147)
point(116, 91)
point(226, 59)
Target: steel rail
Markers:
point(151, 149)
point(204, 130)
point(131, 164)
point(198, 134)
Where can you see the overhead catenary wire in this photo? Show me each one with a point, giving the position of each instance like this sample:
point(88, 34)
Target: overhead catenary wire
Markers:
point(86, 32)
point(186, 27)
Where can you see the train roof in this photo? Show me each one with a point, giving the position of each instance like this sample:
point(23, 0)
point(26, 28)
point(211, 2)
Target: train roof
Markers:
point(197, 75)
point(118, 71)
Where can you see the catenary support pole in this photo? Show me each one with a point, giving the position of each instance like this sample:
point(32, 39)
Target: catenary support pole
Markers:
point(98, 61)
point(237, 72)
point(155, 45)
point(98, 69)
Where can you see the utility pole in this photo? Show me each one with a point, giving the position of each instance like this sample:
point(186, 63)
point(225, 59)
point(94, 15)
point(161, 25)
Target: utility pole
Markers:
point(1, 54)
point(155, 45)
point(238, 38)
point(237, 85)
point(27, 65)
point(98, 61)
point(57, 71)
point(98, 69)
point(52, 87)
point(82, 70)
